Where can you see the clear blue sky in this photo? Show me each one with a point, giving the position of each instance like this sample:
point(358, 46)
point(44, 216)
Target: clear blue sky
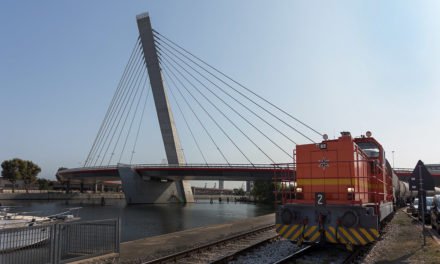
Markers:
point(339, 65)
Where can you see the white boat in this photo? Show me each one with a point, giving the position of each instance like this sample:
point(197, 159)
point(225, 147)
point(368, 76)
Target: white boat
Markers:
point(21, 231)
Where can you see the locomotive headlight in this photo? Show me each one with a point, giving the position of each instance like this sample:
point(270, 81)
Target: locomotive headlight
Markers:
point(323, 145)
point(350, 189)
point(299, 189)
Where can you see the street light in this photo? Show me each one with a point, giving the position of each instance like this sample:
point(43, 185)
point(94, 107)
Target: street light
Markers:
point(393, 158)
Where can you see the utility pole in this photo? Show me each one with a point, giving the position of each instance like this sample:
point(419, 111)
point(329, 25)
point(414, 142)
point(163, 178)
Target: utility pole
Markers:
point(422, 203)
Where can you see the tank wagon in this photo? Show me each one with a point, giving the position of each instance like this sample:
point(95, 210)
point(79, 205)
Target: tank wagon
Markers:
point(337, 191)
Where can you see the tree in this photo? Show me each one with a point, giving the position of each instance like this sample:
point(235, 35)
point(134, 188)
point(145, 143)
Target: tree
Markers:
point(239, 191)
point(29, 172)
point(59, 179)
point(45, 184)
point(11, 171)
point(263, 191)
point(58, 176)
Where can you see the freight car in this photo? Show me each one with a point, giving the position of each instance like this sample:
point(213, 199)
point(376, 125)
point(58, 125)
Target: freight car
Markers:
point(337, 191)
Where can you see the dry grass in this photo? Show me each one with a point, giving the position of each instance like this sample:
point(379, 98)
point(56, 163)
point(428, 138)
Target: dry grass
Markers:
point(403, 243)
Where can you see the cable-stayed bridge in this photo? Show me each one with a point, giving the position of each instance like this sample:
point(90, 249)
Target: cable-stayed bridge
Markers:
point(225, 122)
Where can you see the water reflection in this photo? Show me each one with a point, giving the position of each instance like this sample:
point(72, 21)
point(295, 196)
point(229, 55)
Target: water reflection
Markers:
point(140, 221)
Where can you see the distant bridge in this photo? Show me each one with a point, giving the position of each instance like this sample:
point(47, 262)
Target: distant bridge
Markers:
point(434, 170)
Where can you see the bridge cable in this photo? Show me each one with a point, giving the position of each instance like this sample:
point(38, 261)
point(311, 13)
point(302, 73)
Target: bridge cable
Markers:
point(111, 105)
point(221, 112)
point(230, 107)
point(140, 122)
point(128, 113)
point(224, 115)
point(266, 110)
point(130, 102)
point(239, 84)
point(107, 127)
point(111, 119)
point(117, 108)
point(123, 106)
point(225, 92)
point(194, 113)
point(134, 115)
point(197, 117)
point(186, 122)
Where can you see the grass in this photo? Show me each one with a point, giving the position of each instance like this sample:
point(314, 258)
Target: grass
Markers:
point(406, 244)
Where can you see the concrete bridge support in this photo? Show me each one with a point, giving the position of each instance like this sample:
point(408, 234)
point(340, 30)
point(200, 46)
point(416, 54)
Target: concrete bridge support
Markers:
point(139, 190)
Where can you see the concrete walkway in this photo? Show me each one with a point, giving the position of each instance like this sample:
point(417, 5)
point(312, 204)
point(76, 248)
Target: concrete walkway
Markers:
point(157, 246)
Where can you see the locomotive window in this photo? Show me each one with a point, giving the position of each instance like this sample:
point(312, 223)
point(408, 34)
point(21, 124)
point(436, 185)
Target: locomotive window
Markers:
point(369, 148)
point(416, 202)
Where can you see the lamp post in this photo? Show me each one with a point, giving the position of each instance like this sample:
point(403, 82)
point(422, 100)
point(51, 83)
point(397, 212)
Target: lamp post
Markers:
point(393, 158)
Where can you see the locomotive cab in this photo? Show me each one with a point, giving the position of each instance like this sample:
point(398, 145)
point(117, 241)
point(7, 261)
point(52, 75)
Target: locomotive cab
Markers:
point(337, 191)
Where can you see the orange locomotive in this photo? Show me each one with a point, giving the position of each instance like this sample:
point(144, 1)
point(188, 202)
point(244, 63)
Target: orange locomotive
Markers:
point(337, 191)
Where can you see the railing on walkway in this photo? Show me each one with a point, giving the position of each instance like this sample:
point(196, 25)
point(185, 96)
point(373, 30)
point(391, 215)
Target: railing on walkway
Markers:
point(59, 243)
point(183, 166)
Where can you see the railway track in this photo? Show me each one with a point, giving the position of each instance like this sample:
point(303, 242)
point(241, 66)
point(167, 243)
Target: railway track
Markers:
point(292, 257)
point(231, 248)
point(224, 250)
point(307, 250)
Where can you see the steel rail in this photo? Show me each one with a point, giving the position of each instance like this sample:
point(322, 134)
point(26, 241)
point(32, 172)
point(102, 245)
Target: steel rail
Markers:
point(295, 255)
point(354, 255)
point(233, 255)
point(188, 252)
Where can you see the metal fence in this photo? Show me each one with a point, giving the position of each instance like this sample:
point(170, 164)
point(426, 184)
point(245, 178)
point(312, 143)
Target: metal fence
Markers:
point(59, 243)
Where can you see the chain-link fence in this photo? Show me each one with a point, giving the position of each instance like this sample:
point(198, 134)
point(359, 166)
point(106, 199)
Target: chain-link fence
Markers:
point(59, 243)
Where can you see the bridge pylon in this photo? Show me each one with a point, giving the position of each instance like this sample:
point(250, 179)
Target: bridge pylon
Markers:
point(136, 188)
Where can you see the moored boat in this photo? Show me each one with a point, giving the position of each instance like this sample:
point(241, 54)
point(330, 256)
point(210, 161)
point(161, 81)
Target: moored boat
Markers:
point(18, 230)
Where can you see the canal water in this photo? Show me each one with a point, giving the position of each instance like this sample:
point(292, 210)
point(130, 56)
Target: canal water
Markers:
point(139, 221)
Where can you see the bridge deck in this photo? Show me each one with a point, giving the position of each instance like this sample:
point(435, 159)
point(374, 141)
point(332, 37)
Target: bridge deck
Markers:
point(236, 172)
point(227, 172)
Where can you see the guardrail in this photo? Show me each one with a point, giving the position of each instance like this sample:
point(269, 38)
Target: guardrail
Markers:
point(59, 243)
